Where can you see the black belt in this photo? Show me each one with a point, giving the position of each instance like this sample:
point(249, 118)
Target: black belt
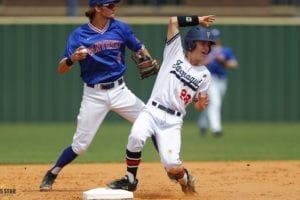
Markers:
point(168, 110)
point(106, 86)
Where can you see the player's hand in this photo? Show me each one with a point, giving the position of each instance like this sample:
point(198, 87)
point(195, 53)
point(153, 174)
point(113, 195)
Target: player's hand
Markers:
point(220, 58)
point(202, 102)
point(207, 20)
point(80, 54)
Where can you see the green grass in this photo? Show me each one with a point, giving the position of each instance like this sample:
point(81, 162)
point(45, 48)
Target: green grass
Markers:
point(43, 143)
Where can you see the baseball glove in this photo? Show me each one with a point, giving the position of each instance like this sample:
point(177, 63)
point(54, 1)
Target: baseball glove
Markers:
point(147, 66)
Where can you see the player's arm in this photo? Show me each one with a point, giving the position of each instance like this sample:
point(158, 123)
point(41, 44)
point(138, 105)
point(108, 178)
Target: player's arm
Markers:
point(227, 58)
point(201, 98)
point(66, 63)
point(143, 51)
point(182, 21)
point(230, 64)
point(147, 66)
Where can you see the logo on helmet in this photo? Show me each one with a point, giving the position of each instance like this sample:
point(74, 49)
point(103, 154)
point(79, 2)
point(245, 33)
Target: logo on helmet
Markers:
point(208, 34)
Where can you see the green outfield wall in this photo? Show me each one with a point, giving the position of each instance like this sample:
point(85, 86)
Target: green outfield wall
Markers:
point(266, 87)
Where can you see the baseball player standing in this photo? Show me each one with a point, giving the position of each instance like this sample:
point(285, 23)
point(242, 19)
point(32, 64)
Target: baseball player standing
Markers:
point(218, 61)
point(181, 80)
point(99, 47)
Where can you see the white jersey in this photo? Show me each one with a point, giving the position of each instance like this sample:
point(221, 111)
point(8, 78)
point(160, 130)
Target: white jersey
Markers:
point(178, 83)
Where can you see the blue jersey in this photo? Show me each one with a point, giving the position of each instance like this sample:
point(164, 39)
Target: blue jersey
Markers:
point(215, 67)
point(106, 49)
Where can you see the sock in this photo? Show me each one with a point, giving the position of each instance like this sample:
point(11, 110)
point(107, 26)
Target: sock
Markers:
point(65, 158)
point(182, 178)
point(133, 160)
point(130, 176)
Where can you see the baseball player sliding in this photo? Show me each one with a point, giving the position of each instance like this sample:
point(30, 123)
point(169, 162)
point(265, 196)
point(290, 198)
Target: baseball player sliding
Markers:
point(99, 47)
point(182, 79)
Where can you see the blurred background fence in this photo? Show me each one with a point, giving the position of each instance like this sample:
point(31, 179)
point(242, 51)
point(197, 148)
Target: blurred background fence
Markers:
point(154, 7)
point(264, 35)
point(264, 88)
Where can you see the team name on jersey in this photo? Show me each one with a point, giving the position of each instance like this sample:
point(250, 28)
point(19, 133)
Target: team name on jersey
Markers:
point(184, 77)
point(103, 45)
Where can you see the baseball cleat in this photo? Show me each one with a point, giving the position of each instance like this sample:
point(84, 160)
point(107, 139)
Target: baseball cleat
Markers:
point(203, 131)
point(189, 188)
point(218, 133)
point(123, 184)
point(47, 181)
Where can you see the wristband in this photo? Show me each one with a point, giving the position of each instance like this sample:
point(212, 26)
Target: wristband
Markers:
point(187, 20)
point(69, 62)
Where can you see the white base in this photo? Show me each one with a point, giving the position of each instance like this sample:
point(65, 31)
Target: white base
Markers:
point(107, 194)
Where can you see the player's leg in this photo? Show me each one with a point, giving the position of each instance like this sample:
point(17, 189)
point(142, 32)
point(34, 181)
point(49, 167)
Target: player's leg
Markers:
point(125, 103)
point(140, 131)
point(92, 112)
point(169, 144)
point(222, 85)
point(203, 122)
point(214, 106)
point(129, 106)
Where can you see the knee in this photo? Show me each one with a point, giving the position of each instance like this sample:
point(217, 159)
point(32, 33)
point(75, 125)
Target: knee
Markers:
point(79, 149)
point(135, 143)
point(171, 162)
point(82, 141)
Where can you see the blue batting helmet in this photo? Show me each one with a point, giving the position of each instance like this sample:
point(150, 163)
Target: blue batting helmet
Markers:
point(216, 33)
point(101, 2)
point(197, 33)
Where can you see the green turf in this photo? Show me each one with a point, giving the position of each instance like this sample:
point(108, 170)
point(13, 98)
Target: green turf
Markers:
point(42, 143)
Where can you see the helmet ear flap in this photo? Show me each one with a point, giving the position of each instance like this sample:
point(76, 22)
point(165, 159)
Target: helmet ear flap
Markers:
point(190, 45)
point(209, 50)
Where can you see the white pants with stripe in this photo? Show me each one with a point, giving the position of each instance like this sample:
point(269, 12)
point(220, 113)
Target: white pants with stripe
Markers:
point(165, 127)
point(95, 105)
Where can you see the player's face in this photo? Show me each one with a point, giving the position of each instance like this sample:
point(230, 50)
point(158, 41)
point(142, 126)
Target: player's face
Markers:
point(201, 50)
point(108, 10)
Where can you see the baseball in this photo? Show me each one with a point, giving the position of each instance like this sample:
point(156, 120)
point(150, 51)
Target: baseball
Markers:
point(83, 51)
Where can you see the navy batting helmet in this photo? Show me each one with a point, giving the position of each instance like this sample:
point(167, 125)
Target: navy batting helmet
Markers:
point(197, 33)
point(101, 2)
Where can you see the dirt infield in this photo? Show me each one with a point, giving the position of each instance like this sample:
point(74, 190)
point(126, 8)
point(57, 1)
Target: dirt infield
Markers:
point(268, 180)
